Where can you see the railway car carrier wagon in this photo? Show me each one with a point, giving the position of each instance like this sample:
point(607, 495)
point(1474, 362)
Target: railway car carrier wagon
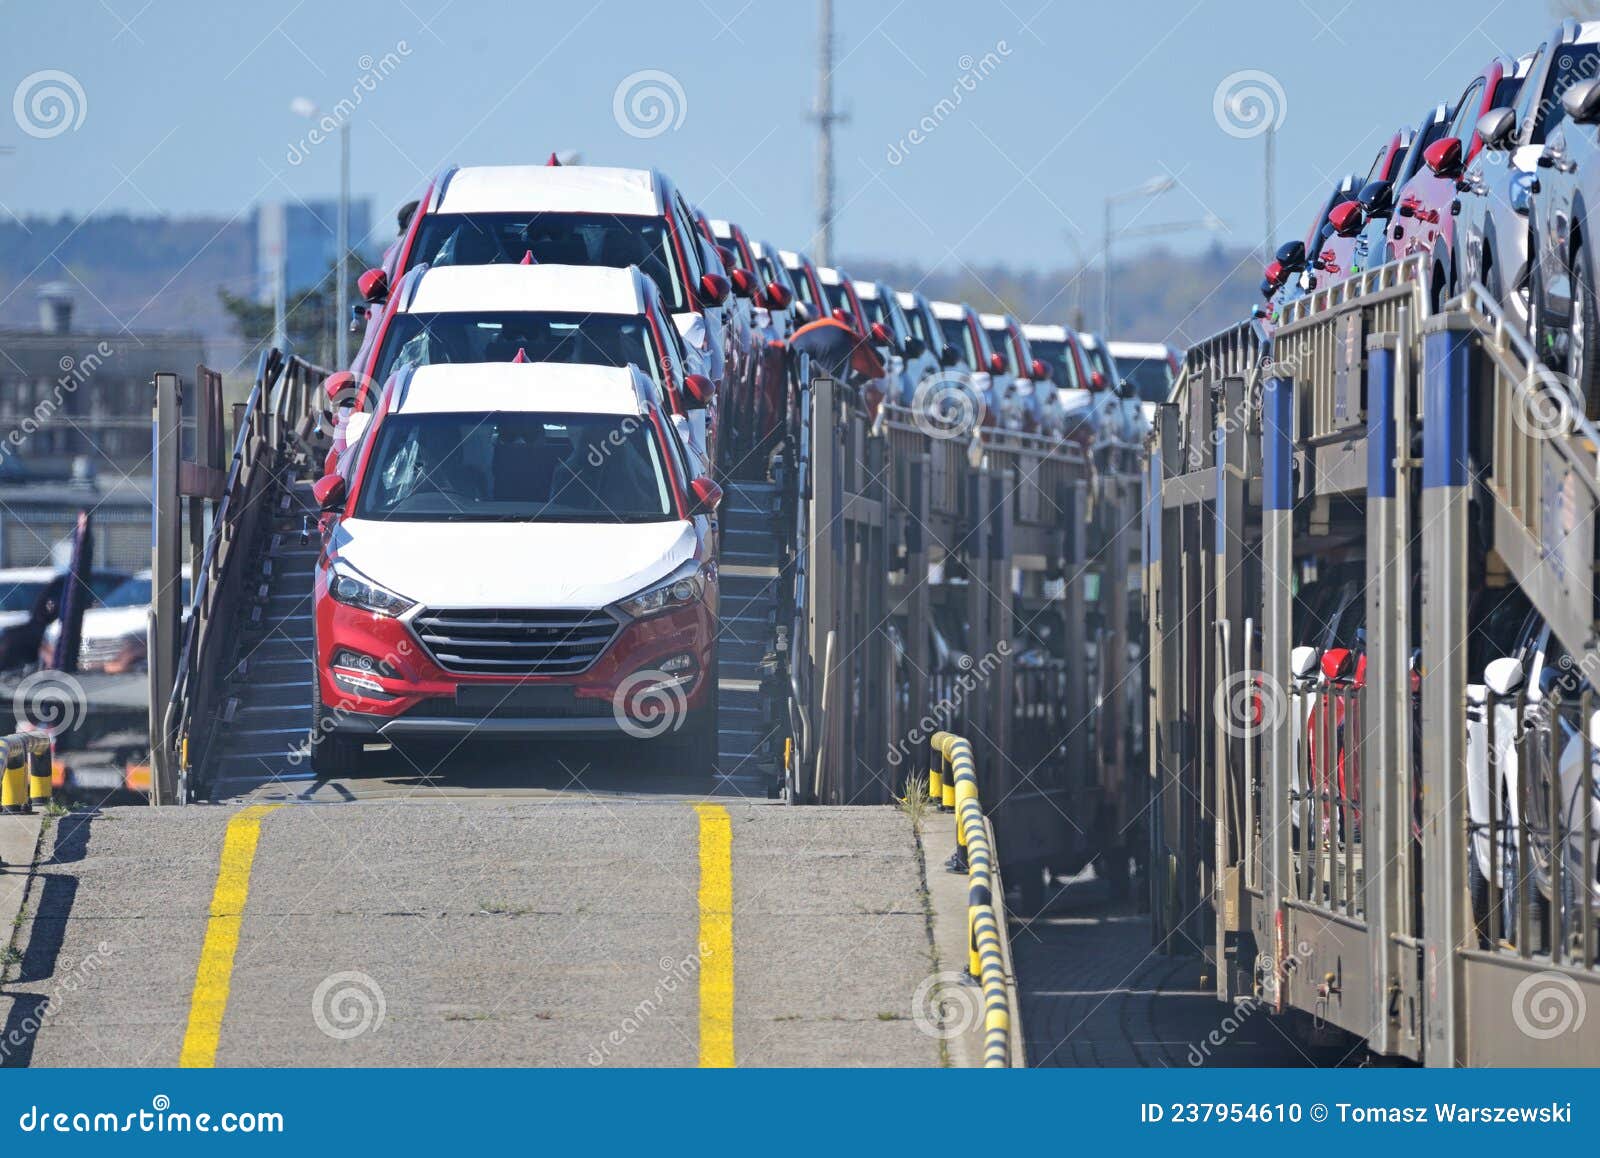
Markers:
point(1372, 614)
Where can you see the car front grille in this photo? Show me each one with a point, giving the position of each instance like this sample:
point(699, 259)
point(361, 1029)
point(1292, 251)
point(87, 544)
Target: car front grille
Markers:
point(515, 642)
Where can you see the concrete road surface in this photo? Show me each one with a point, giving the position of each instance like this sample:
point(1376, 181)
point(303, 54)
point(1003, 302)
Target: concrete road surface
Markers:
point(428, 928)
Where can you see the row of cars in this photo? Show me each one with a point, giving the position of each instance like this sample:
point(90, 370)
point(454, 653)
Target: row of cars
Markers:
point(561, 367)
point(112, 639)
point(1494, 187)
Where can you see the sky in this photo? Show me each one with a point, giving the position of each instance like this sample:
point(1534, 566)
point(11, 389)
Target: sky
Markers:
point(977, 132)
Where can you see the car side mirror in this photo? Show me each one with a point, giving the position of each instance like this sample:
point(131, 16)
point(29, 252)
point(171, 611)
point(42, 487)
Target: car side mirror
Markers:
point(340, 388)
point(1274, 275)
point(802, 312)
point(997, 364)
point(744, 285)
point(949, 356)
point(1347, 218)
point(329, 491)
point(373, 285)
point(1377, 198)
point(1097, 380)
point(1291, 256)
point(1303, 661)
point(697, 392)
point(1337, 662)
point(915, 347)
point(1038, 371)
point(1504, 675)
point(713, 289)
point(844, 317)
point(1443, 157)
point(881, 335)
point(1582, 101)
point(778, 296)
point(707, 496)
point(1496, 127)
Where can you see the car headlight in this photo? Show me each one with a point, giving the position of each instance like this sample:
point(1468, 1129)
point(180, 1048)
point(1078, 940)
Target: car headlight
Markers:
point(353, 589)
point(1522, 192)
point(684, 586)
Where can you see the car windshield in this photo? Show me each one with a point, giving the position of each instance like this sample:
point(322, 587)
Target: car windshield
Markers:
point(513, 466)
point(802, 290)
point(1097, 359)
point(933, 340)
point(1001, 341)
point(601, 239)
point(838, 297)
point(958, 334)
point(1058, 356)
point(1151, 377)
point(581, 339)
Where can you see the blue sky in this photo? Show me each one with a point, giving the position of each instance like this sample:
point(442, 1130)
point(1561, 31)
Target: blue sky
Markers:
point(185, 106)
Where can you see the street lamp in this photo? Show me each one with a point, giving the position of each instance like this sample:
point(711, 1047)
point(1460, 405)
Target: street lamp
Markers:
point(305, 107)
point(1151, 188)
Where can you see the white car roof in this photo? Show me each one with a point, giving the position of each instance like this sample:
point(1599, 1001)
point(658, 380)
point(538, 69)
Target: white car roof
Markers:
point(867, 291)
point(721, 229)
point(907, 299)
point(1588, 32)
point(790, 258)
point(559, 387)
point(992, 321)
point(946, 311)
point(1088, 341)
point(1137, 349)
point(1044, 333)
point(551, 189)
point(29, 574)
point(590, 289)
point(827, 275)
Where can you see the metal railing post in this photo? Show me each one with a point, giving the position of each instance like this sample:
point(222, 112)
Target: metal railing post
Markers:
point(1277, 528)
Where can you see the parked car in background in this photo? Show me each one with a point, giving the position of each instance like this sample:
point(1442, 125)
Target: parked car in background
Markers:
point(578, 215)
point(1293, 272)
point(1147, 369)
point(1494, 226)
point(839, 289)
point(811, 302)
point(1038, 406)
point(965, 335)
point(1089, 413)
point(1427, 203)
point(30, 601)
point(115, 635)
point(1347, 250)
point(909, 360)
point(436, 609)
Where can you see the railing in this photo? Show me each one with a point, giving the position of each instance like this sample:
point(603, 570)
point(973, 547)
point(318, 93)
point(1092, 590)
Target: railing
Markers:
point(955, 767)
point(226, 515)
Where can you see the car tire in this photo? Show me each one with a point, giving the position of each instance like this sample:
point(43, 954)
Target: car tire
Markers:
point(1583, 366)
point(331, 754)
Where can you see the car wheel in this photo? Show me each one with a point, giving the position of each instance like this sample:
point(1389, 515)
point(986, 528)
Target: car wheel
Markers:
point(1583, 367)
point(331, 754)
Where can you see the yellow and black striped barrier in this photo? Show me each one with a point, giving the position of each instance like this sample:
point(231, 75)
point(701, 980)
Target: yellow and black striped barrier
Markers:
point(25, 780)
point(953, 784)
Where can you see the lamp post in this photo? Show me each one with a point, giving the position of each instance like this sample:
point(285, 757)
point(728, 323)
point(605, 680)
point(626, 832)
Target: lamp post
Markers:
point(306, 107)
point(1151, 188)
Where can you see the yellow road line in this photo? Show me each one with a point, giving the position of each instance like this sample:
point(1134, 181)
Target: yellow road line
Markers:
point(716, 935)
point(215, 973)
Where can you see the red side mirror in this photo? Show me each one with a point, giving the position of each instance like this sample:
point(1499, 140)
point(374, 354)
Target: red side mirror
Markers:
point(743, 284)
point(1444, 157)
point(997, 364)
point(707, 496)
point(1097, 381)
point(1038, 371)
point(340, 387)
point(373, 286)
point(1347, 218)
point(714, 289)
point(697, 391)
point(329, 492)
point(1275, 273)
point(778, 296)
point(844, 316)
point(880, 334)
point(1336, 662)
